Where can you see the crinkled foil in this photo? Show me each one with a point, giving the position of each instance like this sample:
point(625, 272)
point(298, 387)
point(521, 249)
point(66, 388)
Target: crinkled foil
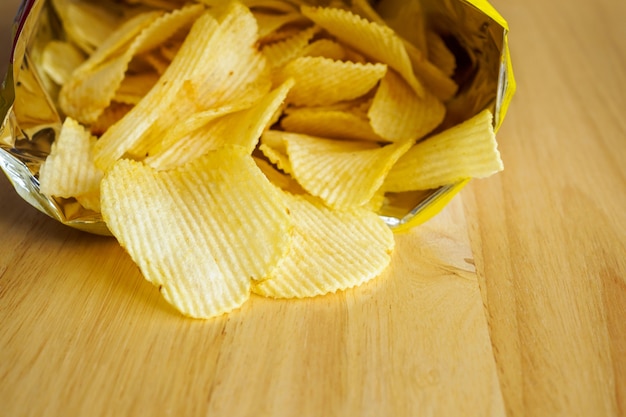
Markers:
point(30, 120)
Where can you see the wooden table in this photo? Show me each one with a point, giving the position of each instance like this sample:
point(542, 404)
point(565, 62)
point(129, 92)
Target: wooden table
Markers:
point(511, 302)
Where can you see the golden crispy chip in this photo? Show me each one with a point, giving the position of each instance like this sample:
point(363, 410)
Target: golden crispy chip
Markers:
point(171, 145)
point(374, 40)
point(69, 170)
point(331, 251)
point(92, 88)
point(281, 52)
point(60, 59)
point(334, 124)
point(205, 83)
point(274, 148)
point(322, 81)
point(468, 150)
point(88, 24)
point(398, 114)
point(326, 48)
point(278, 178)
point(345, 174)
point(377, 202)
point(271, 22)
point(276, 157)
point(242, 128)
point(201, 232)
point(90, 201)
point(115, 44)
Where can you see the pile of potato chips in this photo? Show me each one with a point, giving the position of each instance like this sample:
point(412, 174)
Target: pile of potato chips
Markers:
point(238, 147)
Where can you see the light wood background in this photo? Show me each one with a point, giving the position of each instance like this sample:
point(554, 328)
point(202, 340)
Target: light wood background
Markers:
point(510, 302)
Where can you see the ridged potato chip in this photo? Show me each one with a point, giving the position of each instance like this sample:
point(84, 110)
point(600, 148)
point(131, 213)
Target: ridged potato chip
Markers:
point(202, 232)
point(92, 87)
point(322, 81)
point(88, 24)
point(271, 22)
point(333, 124)
point(468, 150)
point(326, 48)
point(205, 83)
point(345, 174)
point(274, 148)
point(374, 40)
point(69, 170)
point(281, 52)
point(398, 114)
point(278, 178)
point(242, 128)
point(60, 70)
point(331, 251)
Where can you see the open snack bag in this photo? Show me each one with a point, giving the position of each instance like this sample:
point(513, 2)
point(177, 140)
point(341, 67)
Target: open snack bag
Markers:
point(252, 146)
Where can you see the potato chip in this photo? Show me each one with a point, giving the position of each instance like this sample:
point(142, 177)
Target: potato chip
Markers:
point(281, 52)
point(274, 148)
point(60, 59)
point(271, 22)
point(242, 128)
point(189, 126)
point(331, 251)
point(199, 233)
point(88, 24)
point(276, 157)
point(92, 88)
point(468, 150)
point(195, 81)
point(398, 114)
point(90, 201)
point(278, 178)
point(69, 169)
point(374, 40)
point(326, 48)
point(323, 81)
point(333, 124)
point(116, 42)
point(345, 174)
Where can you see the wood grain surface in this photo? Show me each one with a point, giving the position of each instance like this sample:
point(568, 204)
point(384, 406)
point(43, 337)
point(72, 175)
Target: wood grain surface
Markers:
point(510, 302)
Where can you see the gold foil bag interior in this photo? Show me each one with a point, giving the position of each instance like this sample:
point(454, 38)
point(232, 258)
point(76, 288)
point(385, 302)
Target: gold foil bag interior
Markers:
point(31, 120)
